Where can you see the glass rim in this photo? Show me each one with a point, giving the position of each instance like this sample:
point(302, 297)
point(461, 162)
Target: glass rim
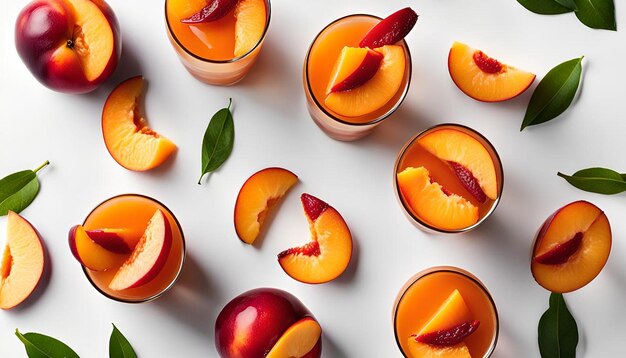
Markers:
point(180, 268)
point(455, 270)
point(417, 219)
point(208, 60)
point(379, 119)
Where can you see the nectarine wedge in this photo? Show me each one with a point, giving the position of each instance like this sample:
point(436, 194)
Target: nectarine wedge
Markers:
point(90, 254)
point(298, 340)
point(452, 312)
point(423, 350)
point(250, 18)
point(354, 67)
point(391, 29)
point(127, 136)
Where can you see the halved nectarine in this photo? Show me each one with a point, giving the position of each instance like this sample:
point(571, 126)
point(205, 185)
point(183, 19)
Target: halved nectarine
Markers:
point(250, 18)
point(298, 340)
point(484, 78)
point(90, 254)
point(327, 255)
point(127, 136)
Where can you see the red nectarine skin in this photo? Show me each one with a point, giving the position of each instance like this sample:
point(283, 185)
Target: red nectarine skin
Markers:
point(391, 29)
point(110, 241)
point(451, 336)
point(313, 207)
point(215, 10)
point(469, 181)
point(561, 252)
point(366, 70)
point(486, 63)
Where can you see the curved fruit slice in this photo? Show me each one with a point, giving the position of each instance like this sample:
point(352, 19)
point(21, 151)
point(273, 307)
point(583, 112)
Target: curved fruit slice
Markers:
point(450, 336)
point(114, 240)
point(468, 158)
point(391, 29)
point(377, 91)
point(484, 78)
point(127, 136)
point(431, 202)
point(452, 312)
point(256, 198)
point(298, 340)
point(571, 247)
point(22, 262)
point(250, 18)
point(423, 350)
point(325, 257)
point(149, 256)
point(214, 10)
point(353, 68)
point(90, 254)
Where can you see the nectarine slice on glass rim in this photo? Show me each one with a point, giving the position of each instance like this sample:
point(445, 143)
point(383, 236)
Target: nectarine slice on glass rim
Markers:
point(148, 257)
point(571, 247)
point(119, 241)
point(258, 195)
point(433, 203)
point(22, 262)
point(328, 253)
point(353, 68)
point(484, 78)
point(391, 29)
point(250, 19)
point(90, 254)
point(127, 136)
point(214, 10)
point(298, 340)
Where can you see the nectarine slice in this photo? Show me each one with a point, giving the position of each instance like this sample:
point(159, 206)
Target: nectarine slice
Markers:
point(432, 203)
point(423, 350)
point(452, 312)
point(90, 254)
point(298, 340)
point(353, 68)
point(449, 336)
point(571, 247)
point(250, 18)
point(120, 241)
point(214, 10)
point(126, 133)
point(391, 29)
point(484, 78)
point(258, 195)
point(22, 262)
point(374, 93)
point(468, 158)
point(327, 255)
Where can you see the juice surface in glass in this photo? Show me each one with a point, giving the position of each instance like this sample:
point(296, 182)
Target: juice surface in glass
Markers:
point(132, 212)
point(424, 293)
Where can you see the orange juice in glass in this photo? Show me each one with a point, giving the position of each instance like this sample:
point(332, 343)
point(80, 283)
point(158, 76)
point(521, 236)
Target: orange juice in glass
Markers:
point(352, 79)
point(445, 311)
point(217, 47)
point(132, 248)
point(448, 179)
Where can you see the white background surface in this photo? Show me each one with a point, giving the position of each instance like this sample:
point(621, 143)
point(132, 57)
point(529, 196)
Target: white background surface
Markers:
point(273, 128)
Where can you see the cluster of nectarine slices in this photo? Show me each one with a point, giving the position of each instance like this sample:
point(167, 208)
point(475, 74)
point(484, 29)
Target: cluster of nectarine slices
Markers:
point(127, 136)
point(571, 247)
point(484, 78)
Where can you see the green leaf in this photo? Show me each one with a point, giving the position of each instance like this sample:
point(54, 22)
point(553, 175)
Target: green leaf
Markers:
point(218, 140)
point(119, 347)
point(546, 7)
point(40, 346)
point(597, 180)
point(570, 4)
point(18, 190)
point(558, 332)
point(597, 14)
point(554, 93)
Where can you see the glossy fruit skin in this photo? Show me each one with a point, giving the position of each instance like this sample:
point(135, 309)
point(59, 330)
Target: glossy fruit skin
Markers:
point(213, 11)
point(44, 26)
point(366, 70)
point(391, 29)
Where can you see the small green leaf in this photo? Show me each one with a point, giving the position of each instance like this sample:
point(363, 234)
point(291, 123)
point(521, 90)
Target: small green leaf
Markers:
point(570, 4)
point(40, 346)
point(558, 332)
point(119, 347)
point(218, 140)
point(18, 190)
point(597, 14)
point(546, 7)
point(597, 180)
point(554, 93)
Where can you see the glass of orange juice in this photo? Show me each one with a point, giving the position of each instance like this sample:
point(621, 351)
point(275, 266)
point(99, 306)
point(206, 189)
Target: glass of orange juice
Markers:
point(131, 213)
point(448, 179)
point(441, 300)
point(221, 51)
point(353, 114)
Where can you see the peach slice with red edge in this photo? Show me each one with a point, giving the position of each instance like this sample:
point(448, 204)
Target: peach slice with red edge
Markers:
point(571, 248)
point(126, 134)
point(374, 93)
point(298, 340)
point(391, 29)
point(118, 241)
point(327, 255)
point(148, 257)
point(468, 158)
point(214, 10)
point(250, 18)
point(93, 255)
point(354, 67)
point(484, 78)
point(22, 262)
point(433, 203)
point(258, 195)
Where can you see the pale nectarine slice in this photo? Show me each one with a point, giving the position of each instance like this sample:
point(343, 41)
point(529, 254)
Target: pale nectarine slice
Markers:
point(298, 340)
point(327, 255)
point(127, 136)
point(374, 93)
point(571, 247)
point(423, 350)
point(22, 263)
point(90, 254)
point(464, 153)
point(149, 256)
point(484, 78)
point(250, 18)
point(452, 312)
point(432, 203)
point(258, 195)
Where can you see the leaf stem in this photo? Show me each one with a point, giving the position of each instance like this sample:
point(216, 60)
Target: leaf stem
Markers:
point(41, 166)
point(230, 101)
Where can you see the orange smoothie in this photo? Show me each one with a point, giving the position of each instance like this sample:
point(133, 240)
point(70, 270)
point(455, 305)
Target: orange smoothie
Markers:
point(132, 212)
point(424, 293)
